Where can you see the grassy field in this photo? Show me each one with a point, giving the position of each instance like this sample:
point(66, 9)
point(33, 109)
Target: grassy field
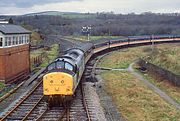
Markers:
point(122, 58)
point(167, 57)
point(170, 89)
point(92, 38)
point(135, 101)
point(48, 56)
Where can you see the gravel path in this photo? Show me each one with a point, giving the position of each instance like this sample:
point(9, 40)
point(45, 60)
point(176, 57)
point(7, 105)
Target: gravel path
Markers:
point(161, 93)
point(153, 87)
point(93, 102)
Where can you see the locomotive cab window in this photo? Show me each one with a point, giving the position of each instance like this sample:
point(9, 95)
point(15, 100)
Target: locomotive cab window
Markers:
point(68, 66)
point(60, 65)
point(51, 67)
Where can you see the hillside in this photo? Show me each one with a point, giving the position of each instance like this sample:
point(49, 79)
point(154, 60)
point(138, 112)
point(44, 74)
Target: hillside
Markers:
point(102, 24)
point(62, 14)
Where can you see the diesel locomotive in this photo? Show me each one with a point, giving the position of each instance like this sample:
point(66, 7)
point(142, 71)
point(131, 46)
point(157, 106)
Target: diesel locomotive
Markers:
point(63, 74)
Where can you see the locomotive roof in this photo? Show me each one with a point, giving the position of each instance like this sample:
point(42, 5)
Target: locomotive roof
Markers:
point(13, 29)
point(106, 40)
point(83, 47)
point(86, 46)
point(65, 58)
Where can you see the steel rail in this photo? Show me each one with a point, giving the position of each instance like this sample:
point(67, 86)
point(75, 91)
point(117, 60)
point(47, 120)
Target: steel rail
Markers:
point(68, 112)
point(24, 98)
point(32, 109)
point(85, 103)
point(38, 119)
point(62, 115)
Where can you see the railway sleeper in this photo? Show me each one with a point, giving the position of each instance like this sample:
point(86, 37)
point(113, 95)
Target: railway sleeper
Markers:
point(27, 104)
point(26, 108)
point(74, 107)
point(33, 99)
point(14, 118)
point(20, 113)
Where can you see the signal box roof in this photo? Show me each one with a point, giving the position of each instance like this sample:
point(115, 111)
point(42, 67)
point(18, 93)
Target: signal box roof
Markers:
point(13, 29)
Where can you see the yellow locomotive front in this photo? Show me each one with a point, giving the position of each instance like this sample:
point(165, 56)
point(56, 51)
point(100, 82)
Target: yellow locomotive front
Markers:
point(62, 77)
point(58, 83)
point(59, 78)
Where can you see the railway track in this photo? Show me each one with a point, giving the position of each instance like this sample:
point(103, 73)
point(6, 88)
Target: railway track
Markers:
point(79, 109)
point(27, 104)
point(75, 110)
point(33, 106)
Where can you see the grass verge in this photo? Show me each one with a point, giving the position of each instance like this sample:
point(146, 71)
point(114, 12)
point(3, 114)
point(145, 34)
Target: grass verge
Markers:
point(1, 85)
point(170, 89)
point(122, 58)
point(135, 101)
point(48, 55)
point(92, 38)
point(167, 57)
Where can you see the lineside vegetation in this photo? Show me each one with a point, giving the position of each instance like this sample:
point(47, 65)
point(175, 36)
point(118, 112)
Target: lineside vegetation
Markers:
point(48, 55)
point(92, 38)
point(166, 56)
point(1, 85)
point(134, 100)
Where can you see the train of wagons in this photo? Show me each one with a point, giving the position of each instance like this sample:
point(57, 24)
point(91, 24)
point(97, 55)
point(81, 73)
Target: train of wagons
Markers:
point(63, 75)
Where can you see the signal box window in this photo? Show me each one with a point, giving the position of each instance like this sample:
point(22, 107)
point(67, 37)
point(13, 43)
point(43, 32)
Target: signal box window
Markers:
point(6, 43)
point(1, 42)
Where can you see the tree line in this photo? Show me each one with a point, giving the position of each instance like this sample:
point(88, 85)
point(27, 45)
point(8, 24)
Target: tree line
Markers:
point(104, 24)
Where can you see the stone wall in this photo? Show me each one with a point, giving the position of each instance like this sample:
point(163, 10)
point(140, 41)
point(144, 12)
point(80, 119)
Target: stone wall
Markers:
point(160, 72)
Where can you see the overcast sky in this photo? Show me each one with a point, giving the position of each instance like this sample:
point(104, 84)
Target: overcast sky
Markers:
point(19, 7)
